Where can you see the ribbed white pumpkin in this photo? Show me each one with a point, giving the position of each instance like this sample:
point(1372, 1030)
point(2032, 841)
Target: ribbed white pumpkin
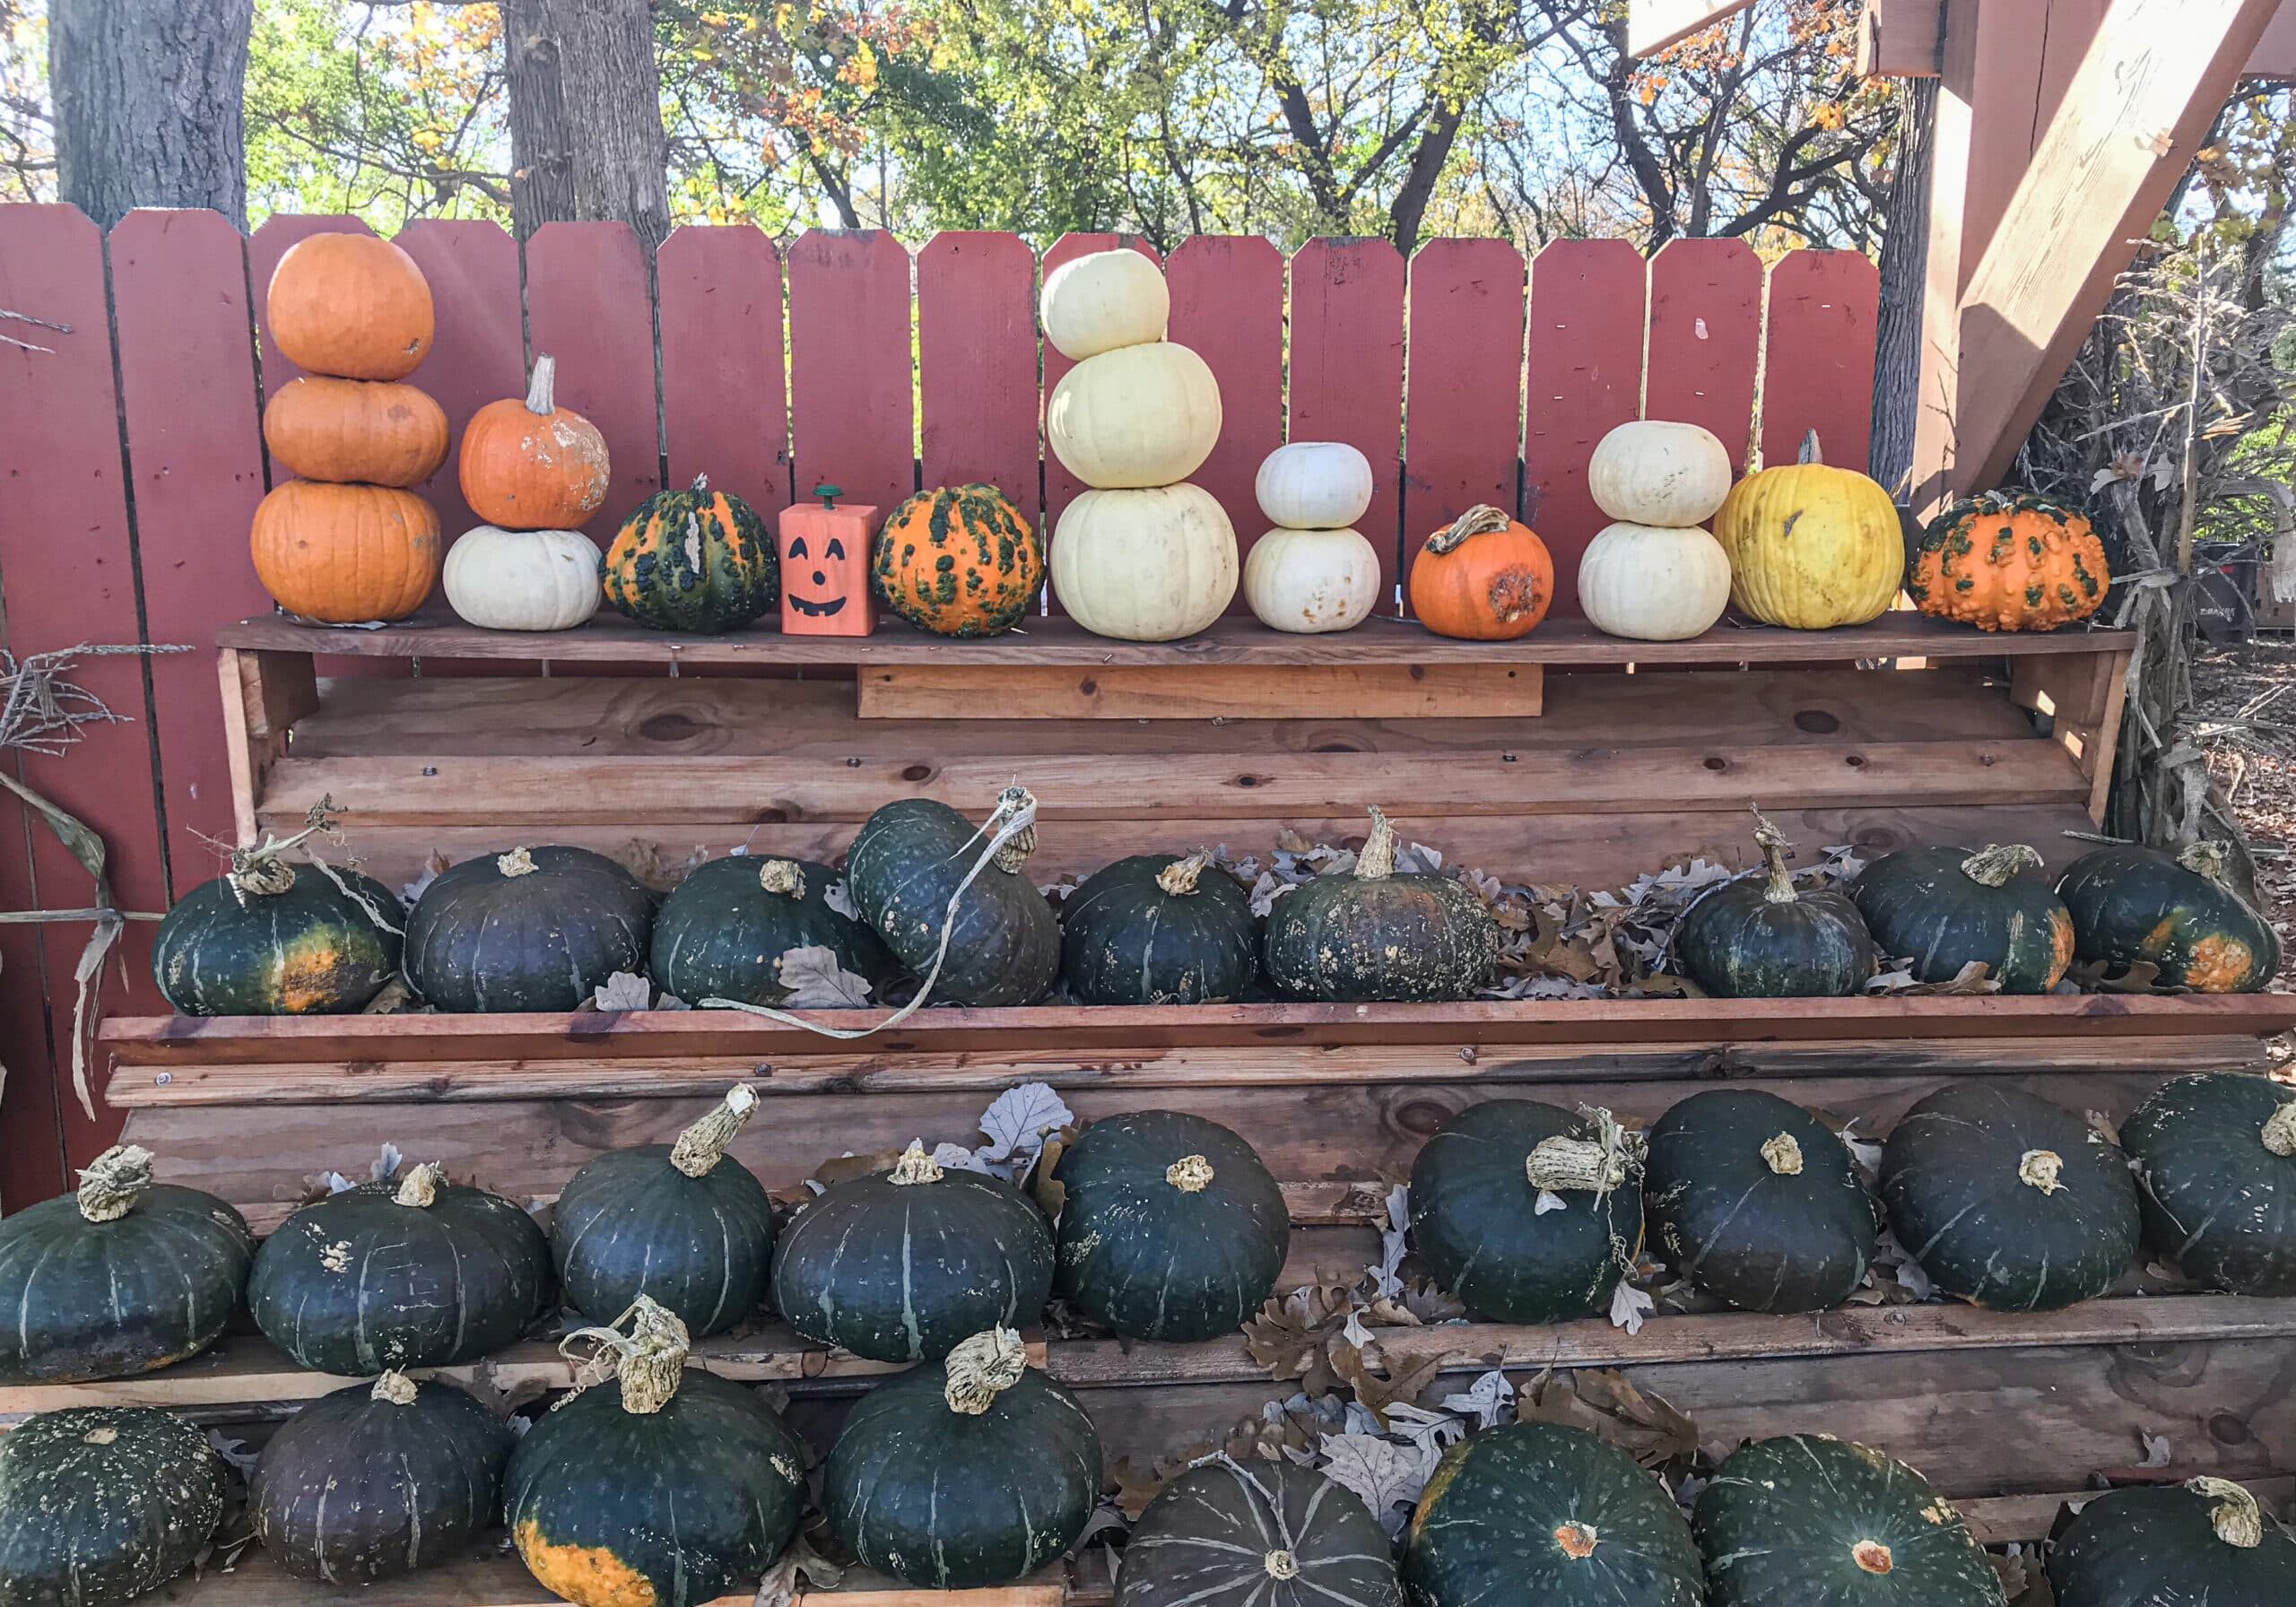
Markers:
point(1312, 581)
point(1654, 585)
point(1659, 473)
point(1314, 485)
point(1106, 300)
point(522, 579)
point(1146, 565)
point(1137, 416)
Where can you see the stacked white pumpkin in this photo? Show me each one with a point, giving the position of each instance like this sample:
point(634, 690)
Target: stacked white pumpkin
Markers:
point(1143, 555)
point(1314, 573)
point(1656, 575)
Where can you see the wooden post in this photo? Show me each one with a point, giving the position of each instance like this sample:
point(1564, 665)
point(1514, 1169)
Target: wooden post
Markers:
point(1652, 25)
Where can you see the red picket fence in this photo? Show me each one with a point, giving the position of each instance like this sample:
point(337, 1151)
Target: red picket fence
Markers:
point(131, 454)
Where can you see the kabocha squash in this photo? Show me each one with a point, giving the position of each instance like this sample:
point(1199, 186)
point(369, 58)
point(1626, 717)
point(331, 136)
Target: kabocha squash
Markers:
point(414, 1271)
point(522, 579)
point(1811, 547)
point(2215, 1156)
point(910, 859)
point(1656, 473)
point(1102, 300)
point(343, 554)
point(1539, 1513)
point(2007, 1201)
point(350, 305)
point(1134, 417)
point(355, 429)
point(2132, 904)
point(1225, 1533)
point(121, 1277)
point(959, 560)
point(1144, 566)
point(2203, 1543)
point(1377, 934)
point(379, 1480)
point(1947, 908)
point(1155, 930)
point(695, 559)
point(1477, 1187)
point(1760, 937)
point(2005, 561)
point(531, 465)
point(901, 1265)
point(1313, 485)
point(1758, 1202)
point(1170, 1227)
point(1814, 1521)
point(1653, 584)
point(536, 929)
point(100, 1504)
point(666, 1488)
point(724, 931)
point(973, 1471)
point(1312, 581)
point(684, 1224)
point(271, 938)
point(1484, 578)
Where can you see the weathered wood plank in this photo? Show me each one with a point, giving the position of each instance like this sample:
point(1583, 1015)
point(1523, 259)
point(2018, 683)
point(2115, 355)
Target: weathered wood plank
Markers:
point(1228, 307)
point(1346, 373)
point(977, 364)
point(1818, 358)
point(1705, 348)
point(1585, 376)
point(589, 306)
point(1377, 692)
point(723, 413)
point(1462, 440)
point(1653, 25)
point(1902, 39)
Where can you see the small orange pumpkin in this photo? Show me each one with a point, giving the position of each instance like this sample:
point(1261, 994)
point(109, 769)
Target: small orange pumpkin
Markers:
point(355, 429)
point(1484, 578)
point(352, 306)
point(533, 465)
point(344, 553)
point(2006, 561)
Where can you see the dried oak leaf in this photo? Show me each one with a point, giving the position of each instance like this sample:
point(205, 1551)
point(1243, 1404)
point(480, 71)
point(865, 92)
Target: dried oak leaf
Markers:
point(1291, 1335)
point(1602, 1402)
point(1377, 1393)
point(836, 1170)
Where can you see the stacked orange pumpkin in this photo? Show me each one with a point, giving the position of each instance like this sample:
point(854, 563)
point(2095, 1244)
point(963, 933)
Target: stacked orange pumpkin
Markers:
point(533, 471)
point(348, 542)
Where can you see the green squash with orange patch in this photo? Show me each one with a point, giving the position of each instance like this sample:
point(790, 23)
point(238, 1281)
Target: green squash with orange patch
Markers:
point(2135, 905)
point(275, 939)
point(959, 560)
point(696, 559)
point(1948, 909)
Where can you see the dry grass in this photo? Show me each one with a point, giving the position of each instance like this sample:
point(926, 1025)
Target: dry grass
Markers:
point(2245, 699)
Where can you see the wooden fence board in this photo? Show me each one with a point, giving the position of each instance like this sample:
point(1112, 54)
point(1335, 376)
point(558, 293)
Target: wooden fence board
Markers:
point(849, 373)
point(1464, 386)
point(1818, 366)
point(723, 412)
point(1060, 486)
point(1228, 307)
point(589, 306)
point(977, 364)
point(1584, 377)
point(1346, 373)
point(1704, 344)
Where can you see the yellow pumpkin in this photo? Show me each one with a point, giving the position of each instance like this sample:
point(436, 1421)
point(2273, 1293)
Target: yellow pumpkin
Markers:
point(1811, 546)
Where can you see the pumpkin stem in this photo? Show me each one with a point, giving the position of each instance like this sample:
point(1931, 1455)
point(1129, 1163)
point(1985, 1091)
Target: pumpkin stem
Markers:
point(2206, 858)
point(1180, 877)
point(1012, 803)
point(2235, 1516)
point(260, 872)
point(783, 876)
point(539, 400)
point(700, 1147)
point(1577, 1540)
point(2280, 1130)
point(1810, 452)
point(109, 1186)
point(983, 1368)
point(1996, 863)
point(1190, 1173)
point(518, 862)
point(1773, 845)
point(2040, 1168)
point(647, 1359)
point(915, 1165)
point(1377, 862)
point(393, 1388)
point(700, 483)
point(1784, 1155)
point(1281, 1565)
point(1481, 519)
point(1601, 1163)
point(1871, 1556)
point(420, 1187)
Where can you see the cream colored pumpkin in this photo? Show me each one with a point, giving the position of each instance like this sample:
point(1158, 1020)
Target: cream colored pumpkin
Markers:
point(1310, 581)
point(1654, 585)
point(1108, 299)
point(1659, 473)
point(524, 579)
point(1146, 565)
point(1137, 416)
point(1314, 485)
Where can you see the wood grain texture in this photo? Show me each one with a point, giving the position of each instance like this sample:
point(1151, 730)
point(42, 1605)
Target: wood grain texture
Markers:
point(1347, 375)
point(976, 365)
point(1705, 341)
point(1227, 307)
point(1584, 378)
point(1462, 413)
point(479, 354)
point(1266, 694)
point(590, 305)
point(850, 382)
point(1818, 359)
point(1900, 38)
point(723, 409)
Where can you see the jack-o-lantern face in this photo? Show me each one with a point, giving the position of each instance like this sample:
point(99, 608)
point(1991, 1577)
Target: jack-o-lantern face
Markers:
point(824, 571)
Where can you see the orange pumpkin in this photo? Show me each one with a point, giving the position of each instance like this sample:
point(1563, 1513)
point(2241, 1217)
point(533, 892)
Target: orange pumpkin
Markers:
point(2005, 562)
point(352, 306)
point(344, 553)
point(1484, 578)
point(356, 430)
point(533, 465)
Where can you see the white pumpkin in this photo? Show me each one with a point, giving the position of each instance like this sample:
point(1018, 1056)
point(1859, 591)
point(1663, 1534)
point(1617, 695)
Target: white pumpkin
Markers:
point(1110, 298)
point(1652, 584)
point(1137, 416)
point(1312, 581)
point(1148, 565)
point(1314, 485)
point(1659, 473)
point(524, 579)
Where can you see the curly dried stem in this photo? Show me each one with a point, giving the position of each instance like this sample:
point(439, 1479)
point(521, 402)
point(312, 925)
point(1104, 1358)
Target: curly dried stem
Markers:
point(1773, 845)
point(1600, 1164)
point(983, 1368)
point(112, 1181)
point(1180, 877)
point(393, 1388)
point(700, 1147)
point(2205, 858)
point(2280, 1130)
point(647, 1359)
point(259, 872)
point(1997, 863)
point(1010, 804)
point(1481, 519)
point(915, 1165)
point(420, 1187)
point(1784, 1154)
point(2234, 1515)
point(2039, 1169)
point(518, 862)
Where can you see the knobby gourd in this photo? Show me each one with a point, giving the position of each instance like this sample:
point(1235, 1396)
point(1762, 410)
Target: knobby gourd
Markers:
point(2206, 1541)
point(350, 305)
point(911, 859)
point(1947, 908)
point(1811, 547)
point(1483, 578)
point(531, 465)
point(696, 559)
point(534, 929)
point(1760, 937)
point(100, 1504)
point(959, 560)
point(2007, 561)
point(1153, 930)
point(724, 931)
point(1226, 1534)
point(2131, 904)
point(1378, 933)
point(2215, 1156)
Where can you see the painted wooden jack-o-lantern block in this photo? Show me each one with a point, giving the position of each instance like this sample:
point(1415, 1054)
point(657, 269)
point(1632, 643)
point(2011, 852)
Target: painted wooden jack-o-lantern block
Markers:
point(825, 567)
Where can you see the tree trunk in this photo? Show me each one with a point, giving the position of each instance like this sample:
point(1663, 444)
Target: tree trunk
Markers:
point(1905, 270)
point(586, 116)
point(148, 97)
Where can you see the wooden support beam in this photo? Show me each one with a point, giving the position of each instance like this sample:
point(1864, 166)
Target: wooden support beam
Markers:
point(2275, 55)
point(1652, 25)
point(1902, 39)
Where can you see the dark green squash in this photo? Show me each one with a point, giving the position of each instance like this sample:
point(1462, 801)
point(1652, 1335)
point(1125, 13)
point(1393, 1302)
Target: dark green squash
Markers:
point(1475, 1216)
point(722, 932)
point(2203, 1543)
point(1226, 1534)
point(1154, 930)
point(1171, 1225)
point(2008, 1200)
point(1543, 1516)
point(1814, 1521)
point(536, 929)
point(971, 1471)
point(685, 1224)
point(907, 862)
point(669, 1487)
point(274, 939)
point(901, 1265)
point(120, 1278)
point(1760, 938)
point(1758, 1202)
point(1377, 935)
point(415, 1271)
point(695, 559)
point(100, 1504)
point(2215, 1157)
point(1946, 907)
point(2132, 904)
point(379, 1480)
